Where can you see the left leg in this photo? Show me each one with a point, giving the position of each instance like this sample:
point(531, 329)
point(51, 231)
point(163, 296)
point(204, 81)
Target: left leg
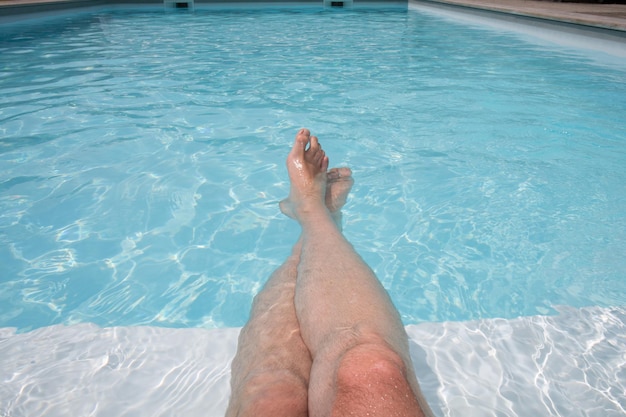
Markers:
point(270, 372)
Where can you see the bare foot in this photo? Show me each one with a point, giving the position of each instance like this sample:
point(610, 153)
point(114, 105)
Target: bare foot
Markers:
point(338, 185)
point(306, 164)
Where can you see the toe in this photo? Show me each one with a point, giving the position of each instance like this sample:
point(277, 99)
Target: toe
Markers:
point(344, 172)
point(302, 139)
point(339, 173)
point(324, 163)
point(332, 174)
point(315, 144)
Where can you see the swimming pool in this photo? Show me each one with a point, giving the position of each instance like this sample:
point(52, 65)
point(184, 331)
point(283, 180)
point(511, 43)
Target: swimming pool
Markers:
point(142, 158)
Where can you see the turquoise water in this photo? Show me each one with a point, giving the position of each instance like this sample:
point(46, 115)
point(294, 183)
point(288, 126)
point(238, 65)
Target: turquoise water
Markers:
point(142, 163)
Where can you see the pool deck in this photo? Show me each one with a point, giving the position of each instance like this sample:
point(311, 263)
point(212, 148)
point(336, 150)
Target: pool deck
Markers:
point(606, 16)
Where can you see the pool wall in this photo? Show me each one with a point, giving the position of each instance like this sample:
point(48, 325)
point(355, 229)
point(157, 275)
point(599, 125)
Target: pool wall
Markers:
point(14, 11)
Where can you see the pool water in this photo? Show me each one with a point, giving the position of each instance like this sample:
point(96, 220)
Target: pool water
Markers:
point(142, 163)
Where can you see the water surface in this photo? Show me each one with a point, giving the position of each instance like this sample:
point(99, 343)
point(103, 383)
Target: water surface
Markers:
point(142, 163)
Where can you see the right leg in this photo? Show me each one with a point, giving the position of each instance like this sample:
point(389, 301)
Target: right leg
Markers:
point(361, 362)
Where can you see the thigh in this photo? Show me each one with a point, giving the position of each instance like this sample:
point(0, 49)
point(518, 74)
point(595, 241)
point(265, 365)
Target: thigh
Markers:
point(270, 372)
point(271, 394)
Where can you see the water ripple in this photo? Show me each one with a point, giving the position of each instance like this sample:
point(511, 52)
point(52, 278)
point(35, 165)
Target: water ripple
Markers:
point(142, 169)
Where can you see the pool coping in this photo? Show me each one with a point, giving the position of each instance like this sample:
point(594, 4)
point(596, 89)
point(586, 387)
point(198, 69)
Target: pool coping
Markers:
point(602, 16)
point(17, 10)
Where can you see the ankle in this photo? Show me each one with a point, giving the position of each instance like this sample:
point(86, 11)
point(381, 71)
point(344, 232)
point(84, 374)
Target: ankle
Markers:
point(314, 215)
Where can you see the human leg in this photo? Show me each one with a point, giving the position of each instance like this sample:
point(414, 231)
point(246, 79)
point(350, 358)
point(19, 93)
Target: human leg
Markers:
point(361, 362)
point(271, 369)
point(270, 372)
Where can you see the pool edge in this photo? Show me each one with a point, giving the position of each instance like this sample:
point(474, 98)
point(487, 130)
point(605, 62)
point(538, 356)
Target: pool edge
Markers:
point(608, 20)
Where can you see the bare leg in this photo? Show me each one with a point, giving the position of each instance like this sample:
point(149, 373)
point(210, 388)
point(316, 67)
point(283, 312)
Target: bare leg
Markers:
point(270, 372)
point(361, 362)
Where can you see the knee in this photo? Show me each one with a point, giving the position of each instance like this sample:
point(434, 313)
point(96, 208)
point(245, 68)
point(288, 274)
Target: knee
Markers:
point(372, 379)
point(365, 364)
